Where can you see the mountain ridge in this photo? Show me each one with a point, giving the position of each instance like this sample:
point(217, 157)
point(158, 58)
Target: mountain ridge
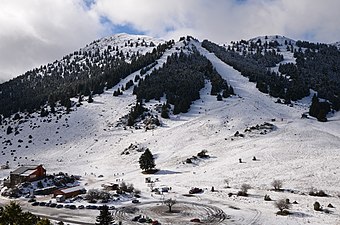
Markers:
point(86, 141)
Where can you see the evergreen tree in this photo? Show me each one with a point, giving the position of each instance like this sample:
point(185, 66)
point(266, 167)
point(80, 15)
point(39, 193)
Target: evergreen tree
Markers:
point(9, 130)
point(51, 102)
point(105, 217)
point(219, 97)
point(165, 111)
point(90, 99)
point(12, 214)
point(146, 161)
point(80, 99)
point(44, 222)
point(43, 112)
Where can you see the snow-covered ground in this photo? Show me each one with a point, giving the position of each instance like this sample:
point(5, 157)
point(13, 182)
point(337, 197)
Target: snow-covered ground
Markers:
point(303, 153)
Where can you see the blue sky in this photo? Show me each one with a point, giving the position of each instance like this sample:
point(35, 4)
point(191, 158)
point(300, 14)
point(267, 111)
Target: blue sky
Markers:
point(40, 31)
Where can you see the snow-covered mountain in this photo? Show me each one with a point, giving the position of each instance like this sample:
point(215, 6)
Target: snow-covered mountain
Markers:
point(282, 40)
point(337, 44)
point(302, 153)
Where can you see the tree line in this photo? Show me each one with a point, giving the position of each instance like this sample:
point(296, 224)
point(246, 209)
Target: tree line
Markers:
point(80, 73)
point(179, 80)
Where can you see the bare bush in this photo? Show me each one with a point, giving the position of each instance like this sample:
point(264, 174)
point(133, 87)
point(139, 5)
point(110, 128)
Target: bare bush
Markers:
point(277, 184)
point(244, 190)
point(170, 202)
point(282, 205)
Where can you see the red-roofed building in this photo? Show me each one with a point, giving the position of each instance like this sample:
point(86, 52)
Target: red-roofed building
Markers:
point(27, 173)
point(70, 192)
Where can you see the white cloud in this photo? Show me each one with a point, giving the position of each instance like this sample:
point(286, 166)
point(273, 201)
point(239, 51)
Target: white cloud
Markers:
point(39, 31)
point(36, 32)
point(222, 20)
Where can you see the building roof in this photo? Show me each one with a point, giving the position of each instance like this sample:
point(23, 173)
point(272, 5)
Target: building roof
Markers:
point(22, 170)
point(28, 172)
point(71, 189)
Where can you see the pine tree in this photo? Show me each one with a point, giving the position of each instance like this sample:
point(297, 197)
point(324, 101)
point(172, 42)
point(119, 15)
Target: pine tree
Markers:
point(146, 161)
point(90, 99)
point(105, 217)
point(219, 97)
point(13, 214)
point(9, 130)
point(165, 112)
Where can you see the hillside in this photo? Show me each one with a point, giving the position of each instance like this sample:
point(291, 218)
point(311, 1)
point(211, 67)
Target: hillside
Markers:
point(89, 141)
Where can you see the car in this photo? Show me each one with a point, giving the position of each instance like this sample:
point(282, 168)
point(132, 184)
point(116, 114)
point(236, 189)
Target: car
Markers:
point(88, 207)
point(111, 207)
point(31, 200)
point(142, 220)
point(136, 218)
point(195, 190)
point(35, 204)
point(196, 220)
point(81, 207)
point(59, 206)
point(53, 205)
point(73, 207)
point(48, 204)
point(42, 203)
point(67, 206)
point(135, 201)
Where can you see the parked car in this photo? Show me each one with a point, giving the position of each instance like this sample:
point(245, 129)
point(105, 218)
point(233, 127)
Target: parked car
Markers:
point(81, 207)
point(53, 205)
point(195, 190)
point(142, 220)
point(136, 218)
point(59, 206)
point(73, 207)
point(31, 200)
point(135, 201)
point(93, 207)
point(42, 203)
point(196, 220)
point(35, 204)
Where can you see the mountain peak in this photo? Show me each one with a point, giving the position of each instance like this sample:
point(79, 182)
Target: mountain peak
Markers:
point(279, 38)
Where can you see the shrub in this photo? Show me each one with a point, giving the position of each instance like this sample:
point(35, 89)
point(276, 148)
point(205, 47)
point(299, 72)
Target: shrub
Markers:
point(277, 184)
point(129, 188)
point(244, 190)
point(282, 206)
point(320, 193)
point(267, 198)
point(317, 206)
point(203, 154)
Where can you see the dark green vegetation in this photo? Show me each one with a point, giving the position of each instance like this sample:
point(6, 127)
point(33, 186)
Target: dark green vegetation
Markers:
point(147, 161)
point(12, 214)
point(81, 73)
point(105, 217)
point(255, 65)
point(90, 71)
point(180, 79)
point(317, 67)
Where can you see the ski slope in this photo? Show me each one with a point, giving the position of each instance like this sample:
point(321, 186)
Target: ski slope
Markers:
point(303, 153)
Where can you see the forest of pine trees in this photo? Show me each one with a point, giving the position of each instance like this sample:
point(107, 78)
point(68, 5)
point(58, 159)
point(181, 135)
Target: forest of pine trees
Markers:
point(180, 79)
point(87, 74)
